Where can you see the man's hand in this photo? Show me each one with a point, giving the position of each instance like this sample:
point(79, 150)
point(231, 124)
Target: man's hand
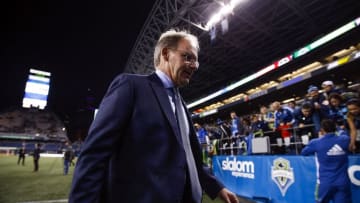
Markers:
point(227, 196)
point(352, 146)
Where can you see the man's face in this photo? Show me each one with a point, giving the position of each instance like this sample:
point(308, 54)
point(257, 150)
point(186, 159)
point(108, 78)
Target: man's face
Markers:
point(314, 93)
point(353, 109)
point(197, 127)
point(263, 110)
point(275, 106)
point(327, 88)
point(306, 112)
point(334, 102)
point(182, 63)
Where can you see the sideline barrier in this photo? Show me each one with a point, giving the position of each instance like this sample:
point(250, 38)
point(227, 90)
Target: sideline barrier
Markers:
point(243, 144)
point(280, 179)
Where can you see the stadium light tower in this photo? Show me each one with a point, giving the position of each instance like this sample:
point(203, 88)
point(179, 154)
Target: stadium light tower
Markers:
point(36, 89)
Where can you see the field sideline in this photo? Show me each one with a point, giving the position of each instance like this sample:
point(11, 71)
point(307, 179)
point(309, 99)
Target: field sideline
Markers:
point(20, 184)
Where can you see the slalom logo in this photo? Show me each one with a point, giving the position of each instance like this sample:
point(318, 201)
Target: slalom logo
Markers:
point(244, 169)
point(282, 174)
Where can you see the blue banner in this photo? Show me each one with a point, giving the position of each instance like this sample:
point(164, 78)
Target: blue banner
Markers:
point(281, 179)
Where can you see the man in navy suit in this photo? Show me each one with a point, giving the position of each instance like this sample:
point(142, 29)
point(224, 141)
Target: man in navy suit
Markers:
point(135, 149)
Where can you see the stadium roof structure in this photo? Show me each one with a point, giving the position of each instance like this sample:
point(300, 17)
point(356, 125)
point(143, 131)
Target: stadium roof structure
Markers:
point(258, 33)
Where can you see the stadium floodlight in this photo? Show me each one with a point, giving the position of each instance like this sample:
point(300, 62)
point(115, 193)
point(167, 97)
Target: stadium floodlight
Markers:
point(36, 89)
point(226, 9)
point(39, 72)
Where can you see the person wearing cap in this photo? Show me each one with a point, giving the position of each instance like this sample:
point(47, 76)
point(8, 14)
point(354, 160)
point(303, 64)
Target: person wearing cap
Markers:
point(329, 88)
point(312, 90)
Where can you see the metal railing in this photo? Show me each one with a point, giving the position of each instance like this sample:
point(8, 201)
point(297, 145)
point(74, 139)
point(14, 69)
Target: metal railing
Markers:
point(239, 145)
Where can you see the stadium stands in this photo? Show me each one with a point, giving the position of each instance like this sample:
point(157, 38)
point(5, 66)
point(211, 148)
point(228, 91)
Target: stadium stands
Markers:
point(31, 124)
point(26, 127)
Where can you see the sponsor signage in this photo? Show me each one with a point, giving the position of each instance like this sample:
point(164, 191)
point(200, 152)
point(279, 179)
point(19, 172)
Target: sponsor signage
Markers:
point(280, 179)
point(282, 174)
point(283, 61)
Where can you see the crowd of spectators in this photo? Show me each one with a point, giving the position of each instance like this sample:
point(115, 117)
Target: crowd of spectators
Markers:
point(287, 125)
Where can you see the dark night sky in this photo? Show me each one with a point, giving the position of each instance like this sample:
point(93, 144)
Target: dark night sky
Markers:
point(84, 44)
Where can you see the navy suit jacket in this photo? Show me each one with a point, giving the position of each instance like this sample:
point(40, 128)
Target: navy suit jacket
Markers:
point(133, 152)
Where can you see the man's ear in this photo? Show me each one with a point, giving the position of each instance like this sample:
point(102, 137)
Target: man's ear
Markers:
point(165, 54)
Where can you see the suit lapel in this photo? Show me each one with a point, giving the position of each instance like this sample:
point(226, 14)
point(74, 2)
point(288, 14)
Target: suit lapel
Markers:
point(164, 103)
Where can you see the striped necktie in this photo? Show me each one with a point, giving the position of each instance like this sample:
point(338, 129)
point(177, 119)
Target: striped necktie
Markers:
point(184, 131)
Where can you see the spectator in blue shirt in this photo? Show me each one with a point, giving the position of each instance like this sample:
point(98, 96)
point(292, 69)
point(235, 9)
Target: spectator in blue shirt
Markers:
point(201, 133)
point(267, 116)
point(283, 115)
point(258, 126)
point(203, 138)
point(331, 151)
point(236, 127)
point(284, 120)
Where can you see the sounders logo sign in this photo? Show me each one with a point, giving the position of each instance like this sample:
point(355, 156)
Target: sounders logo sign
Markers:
point(244, 169)
point(282, 174)
point(352, 170)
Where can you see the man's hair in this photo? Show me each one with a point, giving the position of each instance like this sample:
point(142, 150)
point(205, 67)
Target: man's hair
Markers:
point(336, 96)
point(171, 39)
point(354, 101)
point(328, 125)
point(276, 104)
point(307, 105)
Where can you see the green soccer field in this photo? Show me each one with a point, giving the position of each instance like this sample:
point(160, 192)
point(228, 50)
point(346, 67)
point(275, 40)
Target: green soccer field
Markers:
point(20, 184)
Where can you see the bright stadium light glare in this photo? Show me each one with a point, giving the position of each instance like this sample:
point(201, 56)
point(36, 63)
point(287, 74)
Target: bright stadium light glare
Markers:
point(39, 72)
point(225, 10)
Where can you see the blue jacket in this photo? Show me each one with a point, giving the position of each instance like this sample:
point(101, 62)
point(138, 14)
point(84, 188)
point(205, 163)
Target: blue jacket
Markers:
point(133, 152)
point(331, 153)
point(283, 115)
point(201, 134)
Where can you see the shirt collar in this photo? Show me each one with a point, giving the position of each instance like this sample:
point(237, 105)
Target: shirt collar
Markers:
point(164, 79)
